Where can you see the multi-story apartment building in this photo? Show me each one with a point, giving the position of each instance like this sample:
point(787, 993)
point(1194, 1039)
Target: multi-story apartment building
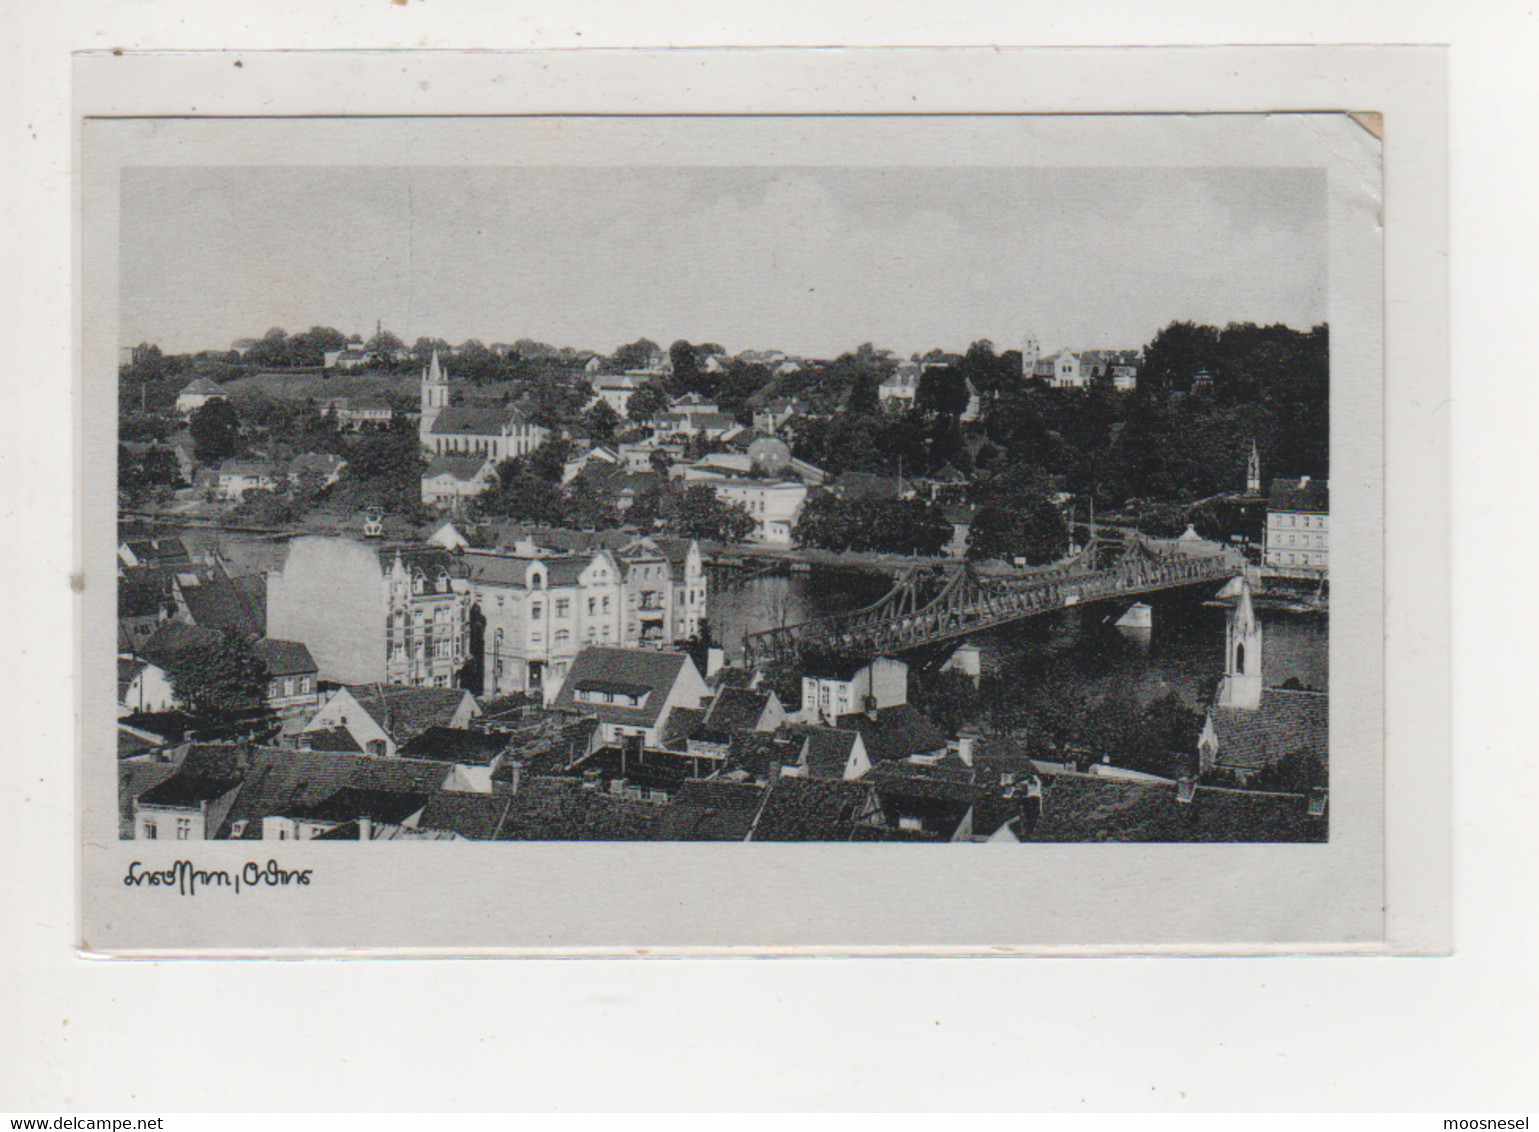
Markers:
point(382, 613)
point(540, 610)
point(1298, 528)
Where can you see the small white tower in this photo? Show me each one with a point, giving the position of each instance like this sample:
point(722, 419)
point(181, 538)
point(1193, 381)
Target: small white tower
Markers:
point(435, 398)
point(1241, 687)
point(1031, 353)
point(1253, 472)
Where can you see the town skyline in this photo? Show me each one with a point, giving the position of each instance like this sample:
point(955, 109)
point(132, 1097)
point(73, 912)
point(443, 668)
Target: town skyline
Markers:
point(908, 259)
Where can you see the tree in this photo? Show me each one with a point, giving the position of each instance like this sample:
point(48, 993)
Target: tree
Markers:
point(702, 516)
point(865, 396)
point(950, 698)
point(638, 354)
point(942, 390)
point(646, 403)
point(1034, 530)
point(686, 366)
point(215, 429)
point(602, 422)
point(219, 676)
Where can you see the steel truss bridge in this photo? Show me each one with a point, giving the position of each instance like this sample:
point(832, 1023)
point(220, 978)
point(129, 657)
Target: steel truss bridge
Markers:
point(928, 605)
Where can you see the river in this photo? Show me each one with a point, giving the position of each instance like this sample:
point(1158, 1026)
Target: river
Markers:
point(1077, 651)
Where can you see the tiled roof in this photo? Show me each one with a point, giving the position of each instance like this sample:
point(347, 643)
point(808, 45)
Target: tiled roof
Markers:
point(138, 599)
point(174, 638)
point(239, 467)
point(284, 658)
point(827, 751)
point(297, 782)
point(734, 709)
point(128, 668)
point(200, 385)
point(353, 802)
point(238, 604)
point(1299, 495)
point(561, 809)
point(683, 724)
point(475, 420)
point(644, 667)
point(476, 817)
point(462, 468)
point(756, 751)
point(896, 733)
point(811, 809)
point(134, 779)
point(711, 811)
point(869, 485)
point(404, 712)
point(337, 739)
point(456, 745)
point(939, 802)
point(205, 773)
point(322, 463)
point(1286, 722)
point(1090, 808)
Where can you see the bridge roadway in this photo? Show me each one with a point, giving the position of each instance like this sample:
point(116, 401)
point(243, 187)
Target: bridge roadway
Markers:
point(967, 602)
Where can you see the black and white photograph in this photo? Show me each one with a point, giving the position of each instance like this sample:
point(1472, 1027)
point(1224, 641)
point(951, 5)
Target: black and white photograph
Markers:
point(807, 498)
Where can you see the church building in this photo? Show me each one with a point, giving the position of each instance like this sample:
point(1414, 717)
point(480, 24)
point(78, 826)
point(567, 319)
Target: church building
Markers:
point(494, 432)
point(1250, 725)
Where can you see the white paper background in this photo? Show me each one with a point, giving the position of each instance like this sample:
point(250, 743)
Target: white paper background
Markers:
point(1415, 1034)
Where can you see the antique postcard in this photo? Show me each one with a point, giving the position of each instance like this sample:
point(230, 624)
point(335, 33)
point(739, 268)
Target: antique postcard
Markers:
point(868, 533)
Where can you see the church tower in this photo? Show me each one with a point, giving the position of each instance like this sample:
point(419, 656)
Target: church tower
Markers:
point(435, 398)
point(1253, 472)
point(1241, 687)
point(1031, 352)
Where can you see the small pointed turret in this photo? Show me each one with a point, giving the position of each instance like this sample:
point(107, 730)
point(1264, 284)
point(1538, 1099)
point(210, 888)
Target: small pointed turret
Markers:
point(1242, 684)
point(1253, 472)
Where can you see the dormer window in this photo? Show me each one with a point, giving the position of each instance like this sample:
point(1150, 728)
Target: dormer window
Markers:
point(416, 583)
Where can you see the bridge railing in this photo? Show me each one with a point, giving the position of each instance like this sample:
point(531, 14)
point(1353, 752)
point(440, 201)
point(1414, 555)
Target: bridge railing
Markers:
point(970, 602)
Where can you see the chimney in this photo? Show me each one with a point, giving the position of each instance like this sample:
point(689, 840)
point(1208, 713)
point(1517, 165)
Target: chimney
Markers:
point(1186, 789)
point(964, 748)
point(1303, 481)
point(1318, 796)
point(870, 705)
point(365, 828)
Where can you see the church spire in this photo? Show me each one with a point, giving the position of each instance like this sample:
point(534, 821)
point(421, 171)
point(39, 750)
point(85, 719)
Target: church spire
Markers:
point(1242, 684)
point(1253, 471)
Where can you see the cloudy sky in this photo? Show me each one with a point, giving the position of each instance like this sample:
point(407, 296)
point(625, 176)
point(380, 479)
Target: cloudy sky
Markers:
point(809, 260)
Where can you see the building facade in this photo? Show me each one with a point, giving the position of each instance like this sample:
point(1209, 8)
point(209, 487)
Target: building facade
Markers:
point(1298, 528)
point(538, 611)
point(493, 432)
point(398, 614)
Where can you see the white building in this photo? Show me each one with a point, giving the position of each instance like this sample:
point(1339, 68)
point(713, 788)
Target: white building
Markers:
point(450, 478)
point(1298, 528)
point(775, 505)
point(495, 432)
point(839, 688)
point(199, 393)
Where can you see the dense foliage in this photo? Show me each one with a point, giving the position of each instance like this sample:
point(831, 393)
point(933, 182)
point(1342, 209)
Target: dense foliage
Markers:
point(905, 526)
point(220, 677)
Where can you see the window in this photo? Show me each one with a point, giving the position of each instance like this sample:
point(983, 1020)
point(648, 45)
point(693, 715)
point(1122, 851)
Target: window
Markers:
point(606, 603)
point(563, 638)
point(563, 607)
point(149, 831)
point(592, 605)
point(288, 686)
point(534, 611)
point(183, 829)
